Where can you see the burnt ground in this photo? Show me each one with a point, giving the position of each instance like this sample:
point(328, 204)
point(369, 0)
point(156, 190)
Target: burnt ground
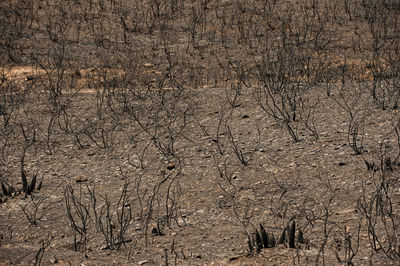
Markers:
point(167, 132)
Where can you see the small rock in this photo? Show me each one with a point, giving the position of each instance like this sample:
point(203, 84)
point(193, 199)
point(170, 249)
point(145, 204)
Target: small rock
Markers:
point(161, 172)
point(143, 262)
point(80, 178)
point(314, 165)
point(171, 166)
point(53, 260)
